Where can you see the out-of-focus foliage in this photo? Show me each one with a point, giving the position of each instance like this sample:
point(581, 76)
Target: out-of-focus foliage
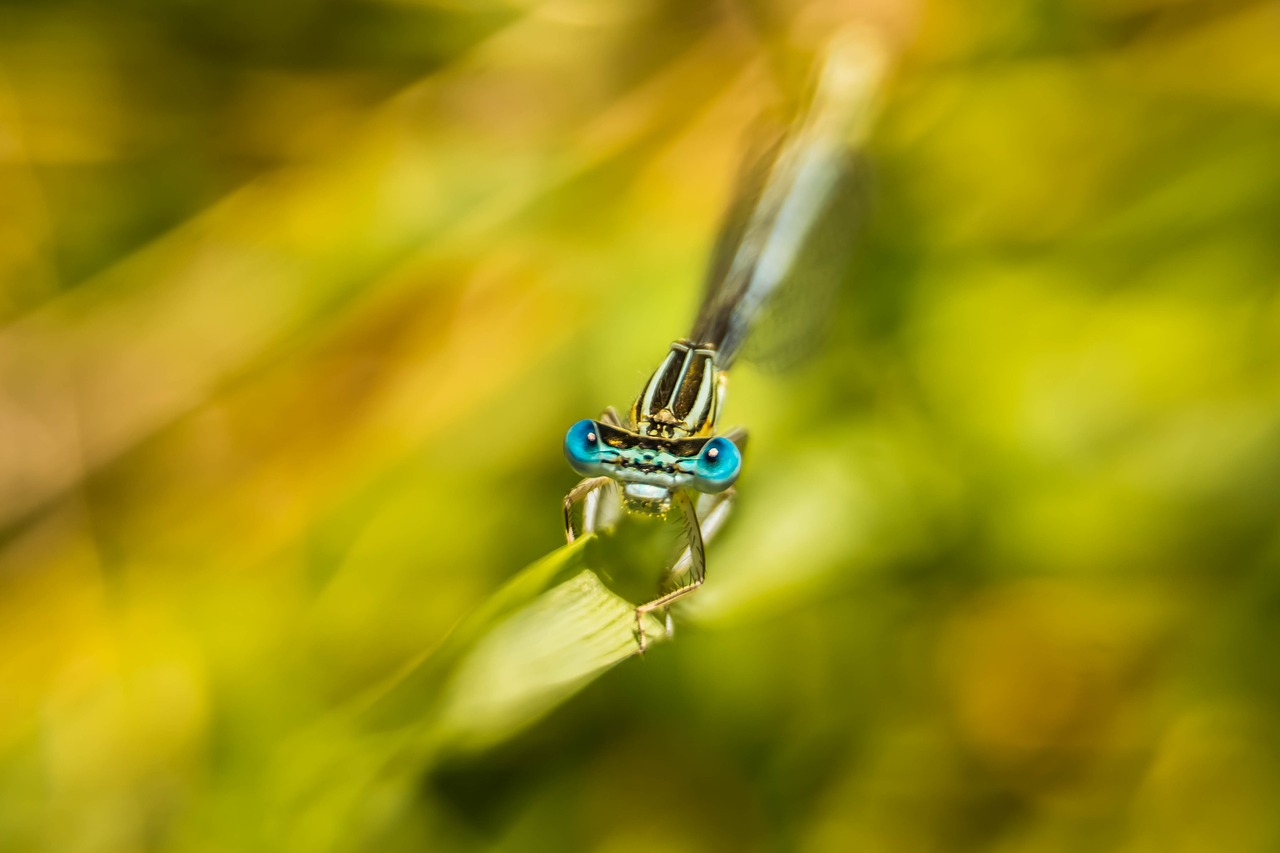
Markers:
point(297, 299)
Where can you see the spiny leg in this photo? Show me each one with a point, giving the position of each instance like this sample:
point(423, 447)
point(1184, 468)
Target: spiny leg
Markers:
point(712, 520)
point(716, 512)
point(697, 566)
point(601, 508)
point(597, 514)
point(576, 494)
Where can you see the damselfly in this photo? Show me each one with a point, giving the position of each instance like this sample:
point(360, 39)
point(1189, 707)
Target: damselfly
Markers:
point(668, 448)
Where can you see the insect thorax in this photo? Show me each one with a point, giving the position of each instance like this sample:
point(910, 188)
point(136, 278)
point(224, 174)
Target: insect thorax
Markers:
point(682, 398)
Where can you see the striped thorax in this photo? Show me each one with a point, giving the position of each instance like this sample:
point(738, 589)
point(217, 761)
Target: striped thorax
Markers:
point(670, 444)
point(682, 398)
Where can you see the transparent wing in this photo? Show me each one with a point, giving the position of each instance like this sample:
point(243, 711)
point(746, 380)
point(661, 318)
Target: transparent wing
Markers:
point(720, 292)
point(791, 210)
point(800, 312)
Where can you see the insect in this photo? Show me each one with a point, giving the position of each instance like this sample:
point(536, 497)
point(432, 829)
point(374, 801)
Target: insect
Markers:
point(668, 455)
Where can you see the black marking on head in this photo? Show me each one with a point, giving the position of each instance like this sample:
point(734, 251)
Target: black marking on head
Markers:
point(623, 439)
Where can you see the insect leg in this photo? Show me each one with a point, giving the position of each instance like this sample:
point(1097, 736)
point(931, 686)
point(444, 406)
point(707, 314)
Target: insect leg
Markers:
point(577, 493)
point(712, 520)
point(697, 566)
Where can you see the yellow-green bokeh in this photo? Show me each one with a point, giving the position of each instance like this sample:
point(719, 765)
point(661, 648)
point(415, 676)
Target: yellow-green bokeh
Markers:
point(297, 300)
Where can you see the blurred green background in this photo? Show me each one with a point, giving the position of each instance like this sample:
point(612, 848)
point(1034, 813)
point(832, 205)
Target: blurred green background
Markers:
point(298, 298)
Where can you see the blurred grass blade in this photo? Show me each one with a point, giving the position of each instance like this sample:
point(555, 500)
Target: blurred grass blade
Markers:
point(539, 639)
point(506, 652)
point(534, 659)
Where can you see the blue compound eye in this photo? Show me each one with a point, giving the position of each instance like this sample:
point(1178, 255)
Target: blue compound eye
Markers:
point(717, 466)
point(582, 448)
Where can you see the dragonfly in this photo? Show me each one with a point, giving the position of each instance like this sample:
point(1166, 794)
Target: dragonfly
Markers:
point(668, 455)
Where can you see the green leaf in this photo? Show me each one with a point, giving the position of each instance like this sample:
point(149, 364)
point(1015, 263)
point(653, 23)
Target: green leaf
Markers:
point(539, 639)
